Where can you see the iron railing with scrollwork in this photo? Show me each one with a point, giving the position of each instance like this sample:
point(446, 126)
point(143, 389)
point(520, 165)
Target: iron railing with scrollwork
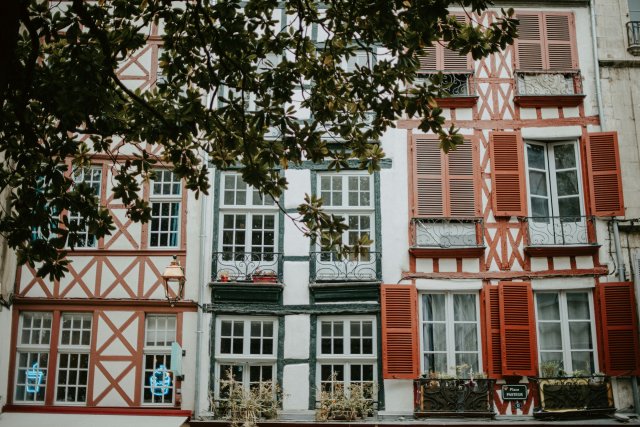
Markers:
point(330, 267)
point(561, 394)
point(453, 83)
point(434, 397)
point(245, 266)
point(558, 230)
point(633, 33)
point(548, 83)
point(447, 232)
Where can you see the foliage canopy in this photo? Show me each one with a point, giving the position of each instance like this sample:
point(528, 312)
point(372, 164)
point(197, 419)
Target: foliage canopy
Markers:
point(233, 74)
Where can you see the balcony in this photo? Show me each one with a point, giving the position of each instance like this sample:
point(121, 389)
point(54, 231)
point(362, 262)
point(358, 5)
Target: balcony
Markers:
point(560, 235)
point(548, 89)
point(330, 267)
point(447, 237)
point(633, 32)
point(471, 397)
point(573, 397)
point(246, 277)
point(456, 85)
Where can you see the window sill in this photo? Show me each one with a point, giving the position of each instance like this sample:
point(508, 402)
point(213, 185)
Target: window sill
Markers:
point(137, 410)
point(548, 100)
point(246, 292)
point(562, 250)
point(461, 252)
point(466, 101)
point(345, 291)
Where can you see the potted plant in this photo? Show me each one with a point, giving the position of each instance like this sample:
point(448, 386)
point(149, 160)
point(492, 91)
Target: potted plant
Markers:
point(264, 276)
point(345, 405)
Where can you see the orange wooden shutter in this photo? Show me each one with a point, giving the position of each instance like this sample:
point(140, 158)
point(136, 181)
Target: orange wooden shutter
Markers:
point(560, 52)
point(460, 182)
point(429, 196)
point(529, 44)
point(605, 182)
point(399, 332)
point(517, 322)
point(508, 181)
point(619, 328)
point(491, 298)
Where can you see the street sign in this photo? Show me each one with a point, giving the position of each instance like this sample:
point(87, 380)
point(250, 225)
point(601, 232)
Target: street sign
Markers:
point(514, 392)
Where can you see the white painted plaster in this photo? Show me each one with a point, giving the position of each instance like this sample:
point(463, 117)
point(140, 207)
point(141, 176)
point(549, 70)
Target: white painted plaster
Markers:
point(296, 289)
point(562, 263)
point(448, 284)
point(552, 133)
point(424, 265)
point(448, 265)
point(528, 114)
point(470, 265)
point(398, 396)
point(299, 185)
point(296, 336)
point(295, 386)
point(539, 264)
point(550, 113)
point(464, 114)
point(562, 283)
point(584, 262)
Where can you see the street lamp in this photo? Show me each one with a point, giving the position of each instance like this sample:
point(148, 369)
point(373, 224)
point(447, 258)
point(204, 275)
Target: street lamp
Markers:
point(174, 273)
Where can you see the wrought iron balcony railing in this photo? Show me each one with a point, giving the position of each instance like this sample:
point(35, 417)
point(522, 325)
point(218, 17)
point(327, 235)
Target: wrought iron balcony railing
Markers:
point(454, 83)
point(558, 230)
point(447, 233)
point(330, 267)
point(548, 83)
point(566, 395)
point(263, 267)
point(472, 397)
point(633, 33)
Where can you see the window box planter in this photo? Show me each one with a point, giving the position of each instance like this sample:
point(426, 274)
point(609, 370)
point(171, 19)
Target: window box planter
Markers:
point(454, 397)
point(574, 397)
point(264, 278)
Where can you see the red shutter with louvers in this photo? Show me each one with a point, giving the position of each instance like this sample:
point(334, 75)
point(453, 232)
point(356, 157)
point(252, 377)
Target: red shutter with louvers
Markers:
point(517, 323)
point(619, 328)
point(429, 62)
point(560, 50)
point(491, 298)
point(605, 182)
point(529, 44)
point(429, 194)
point(399, 332)
point(508, 181)
point(461, 182)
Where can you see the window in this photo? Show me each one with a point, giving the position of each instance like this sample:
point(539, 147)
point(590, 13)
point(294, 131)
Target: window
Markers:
point(92, 177)
point(566, 330)
point(160, 333)
point(361, 58)
point(546, 41)
point(346, 353)
point(249, 221)
point(555, 193)
point(165, 200)
point(246, 350)
point(349, 196)
point(634, 10)
point(73, 358)
point(32, 361)
point(450, 333)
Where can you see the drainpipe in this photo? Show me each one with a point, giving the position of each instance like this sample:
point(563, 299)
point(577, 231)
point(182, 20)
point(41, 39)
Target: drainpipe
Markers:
point(596, 65)
point(201, 278)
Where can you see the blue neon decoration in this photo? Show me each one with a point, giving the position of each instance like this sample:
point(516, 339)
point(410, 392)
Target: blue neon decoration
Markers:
point(160, 381)
point(34, 378)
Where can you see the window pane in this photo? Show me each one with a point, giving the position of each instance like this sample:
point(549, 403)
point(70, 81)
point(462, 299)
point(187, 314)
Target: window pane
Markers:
point(569, 206)
point(434, 307)
point(466, 337)
point(435, 362)
point(464, 307)
point(539, 207)
point(578, 305)
point(470, 359)
point(538, 183)
point(567, 183)
point(582, 360)
point(548, 308)
point(580, 335)
point(550, 336)
point(435, 337)
point(535, 156)
point(565, 156)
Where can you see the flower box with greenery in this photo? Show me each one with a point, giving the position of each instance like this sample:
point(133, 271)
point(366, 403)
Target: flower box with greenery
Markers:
point(264, 276)
point(340, 404)
point(243, 407)
point(466, 393)
point(572, 394)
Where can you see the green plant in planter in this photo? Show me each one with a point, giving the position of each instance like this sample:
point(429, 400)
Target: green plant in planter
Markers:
point(244, 407)
point(550, 369)
point(345, 404)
